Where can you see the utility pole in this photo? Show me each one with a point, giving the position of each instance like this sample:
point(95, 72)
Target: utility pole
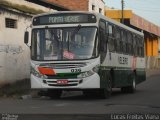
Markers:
point(122, 17)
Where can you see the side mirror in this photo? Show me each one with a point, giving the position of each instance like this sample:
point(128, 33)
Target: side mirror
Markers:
point(26, 37)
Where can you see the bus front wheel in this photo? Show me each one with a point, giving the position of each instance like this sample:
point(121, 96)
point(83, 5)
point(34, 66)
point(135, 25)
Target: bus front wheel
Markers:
point(106, 92)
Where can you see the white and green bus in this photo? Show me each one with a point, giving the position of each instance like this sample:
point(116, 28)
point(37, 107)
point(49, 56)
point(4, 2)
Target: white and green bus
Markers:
point(85, 51)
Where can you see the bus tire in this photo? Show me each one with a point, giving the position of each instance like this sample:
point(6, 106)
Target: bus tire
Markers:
point(106, 92)
point(54, 94)
point(132, 88)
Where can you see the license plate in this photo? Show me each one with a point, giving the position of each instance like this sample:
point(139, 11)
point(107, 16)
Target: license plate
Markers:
point(62, 82)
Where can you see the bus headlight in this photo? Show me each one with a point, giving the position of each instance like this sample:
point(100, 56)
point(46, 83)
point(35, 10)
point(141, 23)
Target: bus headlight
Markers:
point(96, 69)
point(85, 74)
point(88, 73)
point(36, 73)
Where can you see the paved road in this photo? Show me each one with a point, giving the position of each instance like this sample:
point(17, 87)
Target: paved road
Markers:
point(145, 100)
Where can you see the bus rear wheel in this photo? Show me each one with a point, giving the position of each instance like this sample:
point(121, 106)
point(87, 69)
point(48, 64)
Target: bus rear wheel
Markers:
point(132, 88)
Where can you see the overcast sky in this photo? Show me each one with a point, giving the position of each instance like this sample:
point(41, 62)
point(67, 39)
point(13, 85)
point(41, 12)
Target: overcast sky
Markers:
point(148, 9)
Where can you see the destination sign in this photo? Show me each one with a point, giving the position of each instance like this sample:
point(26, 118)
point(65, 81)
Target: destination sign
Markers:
point(64, 19)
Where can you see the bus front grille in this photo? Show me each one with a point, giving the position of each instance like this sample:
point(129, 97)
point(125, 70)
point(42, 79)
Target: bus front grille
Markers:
point(63, 65)
point(71, 82)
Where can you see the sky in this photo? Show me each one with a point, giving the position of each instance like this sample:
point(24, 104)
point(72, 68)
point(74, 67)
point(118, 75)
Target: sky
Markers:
point(148, 9)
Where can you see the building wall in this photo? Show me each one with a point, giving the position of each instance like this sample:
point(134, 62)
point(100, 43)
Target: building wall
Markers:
point(72, 4)
point(151, 45)
point(81, 5)
point(99, 4)
point(148, 46)
point(117, 14)
point(15, 55)
point(30, 4)
point(159, 52)
point(155, 46)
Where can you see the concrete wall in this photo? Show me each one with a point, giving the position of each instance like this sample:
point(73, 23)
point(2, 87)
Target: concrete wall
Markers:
point(152, 57)
point(32, 5)
point(14, 54)
point(152, 62)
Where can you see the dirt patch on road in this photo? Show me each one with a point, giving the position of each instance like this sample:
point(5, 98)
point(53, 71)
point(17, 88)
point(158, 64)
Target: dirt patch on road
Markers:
point(15, 89)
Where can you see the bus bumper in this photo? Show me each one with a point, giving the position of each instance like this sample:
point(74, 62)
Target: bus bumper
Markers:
point(91, 82)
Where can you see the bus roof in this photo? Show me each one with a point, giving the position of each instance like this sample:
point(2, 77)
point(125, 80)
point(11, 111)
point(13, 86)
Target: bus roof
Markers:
point(118, 23)
point(98, 15)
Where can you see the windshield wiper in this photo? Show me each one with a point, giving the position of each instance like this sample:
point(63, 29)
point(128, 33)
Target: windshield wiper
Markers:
point(76, 30)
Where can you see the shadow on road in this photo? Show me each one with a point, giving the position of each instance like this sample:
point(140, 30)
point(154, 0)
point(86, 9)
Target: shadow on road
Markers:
point(78, 96)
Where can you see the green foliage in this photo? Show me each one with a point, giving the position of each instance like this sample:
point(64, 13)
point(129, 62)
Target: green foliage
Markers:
point(22, 8)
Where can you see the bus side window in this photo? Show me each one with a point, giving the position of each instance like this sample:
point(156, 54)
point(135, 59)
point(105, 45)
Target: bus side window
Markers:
point(102, 33)
point(129, 43)
point(111, 44)
point(117, 39)
point(139, 46)
point(134, 45)
point(142, 47)
point(121, 41)
point(110, 30)
point(124, 41)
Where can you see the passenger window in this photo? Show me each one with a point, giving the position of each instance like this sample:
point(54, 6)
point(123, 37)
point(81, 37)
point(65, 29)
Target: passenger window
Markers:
point(129, 43)
point(110, 30)
point(102, 32)
point(142, 46)
point(135, 45)
point(121, 41)
point(124, 40)
point(117, 39)
point(111, 40)
point(107, 31)
point(141, 49)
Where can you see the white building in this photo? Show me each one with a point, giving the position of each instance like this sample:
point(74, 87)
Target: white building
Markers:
point(14, 54)
point(96, 6)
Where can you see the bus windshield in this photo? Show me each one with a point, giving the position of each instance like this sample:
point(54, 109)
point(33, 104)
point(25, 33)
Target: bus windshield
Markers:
point(64, 43)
